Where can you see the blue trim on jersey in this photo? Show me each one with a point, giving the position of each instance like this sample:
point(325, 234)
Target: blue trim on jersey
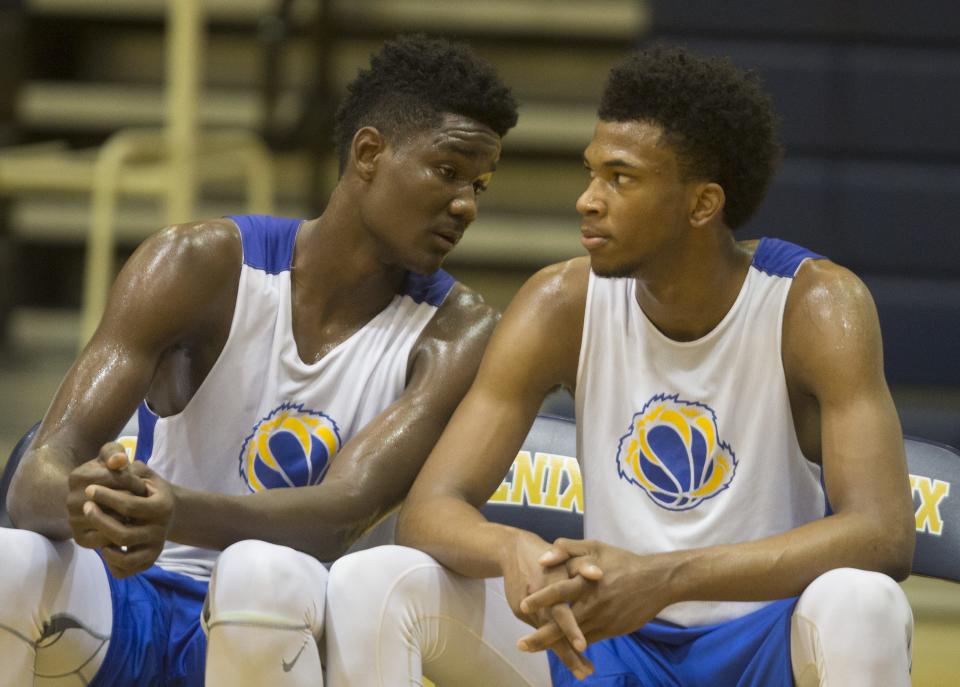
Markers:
point(780, 258)
point(750, 651)
point(146, 424)
point(267, 241)
point(156, 638)
point(428, 288)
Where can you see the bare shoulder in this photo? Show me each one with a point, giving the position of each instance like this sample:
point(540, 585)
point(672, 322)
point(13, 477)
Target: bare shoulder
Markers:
point(824, 295)
point(463, 311)
point(538, 342)
point(206, 250)
point(556, 293)
point(179, 282)
point(830, 329)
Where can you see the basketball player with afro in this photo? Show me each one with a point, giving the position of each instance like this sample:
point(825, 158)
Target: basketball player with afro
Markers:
point(322, 355)
point(746, 500)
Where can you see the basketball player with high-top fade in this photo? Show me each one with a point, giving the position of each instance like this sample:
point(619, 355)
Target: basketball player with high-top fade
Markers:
point(746, 500)
point(324, 356)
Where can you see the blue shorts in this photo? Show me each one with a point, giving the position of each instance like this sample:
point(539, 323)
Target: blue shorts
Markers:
point(157, 640)
point(751, 651)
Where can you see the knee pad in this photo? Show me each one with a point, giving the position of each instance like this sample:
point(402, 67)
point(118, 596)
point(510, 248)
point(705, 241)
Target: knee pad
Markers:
point(54, 603)
point(258, 583)
point(859, 596)
point(852, 627)
point(383, 568)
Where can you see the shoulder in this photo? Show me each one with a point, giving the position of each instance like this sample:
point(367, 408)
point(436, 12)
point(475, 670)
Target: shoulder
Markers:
point(213, 243)
point(538, 340)
point(463, 308)
point(457, 332)
point(201, 257)
point(556, 293)
point(824, 293)
point(181, 279)
point(830, 326)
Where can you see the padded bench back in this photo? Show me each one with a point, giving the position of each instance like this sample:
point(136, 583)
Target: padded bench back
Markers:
point(542, 492)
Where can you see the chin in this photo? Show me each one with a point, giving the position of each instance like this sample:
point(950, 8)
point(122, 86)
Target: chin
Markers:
point(426, 267)
point(608, 270)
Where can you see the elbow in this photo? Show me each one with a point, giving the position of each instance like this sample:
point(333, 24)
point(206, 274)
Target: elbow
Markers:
point(899, 561)
point(328, 545)
point(338, 541)
point(893, 547)
point(334, 547)
point(404, 526)
point(898, 567)
point(406, 534)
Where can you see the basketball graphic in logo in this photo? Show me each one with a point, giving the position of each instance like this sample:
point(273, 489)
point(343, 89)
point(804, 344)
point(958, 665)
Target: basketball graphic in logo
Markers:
point(291, 447)
point(672, 450)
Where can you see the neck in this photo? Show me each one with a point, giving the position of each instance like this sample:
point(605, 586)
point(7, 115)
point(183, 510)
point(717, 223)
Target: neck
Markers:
point(337, 264)
point(687, 292)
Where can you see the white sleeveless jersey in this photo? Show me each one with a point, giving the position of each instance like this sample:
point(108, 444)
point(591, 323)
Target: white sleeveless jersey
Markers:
point(263, 418)
point(691, 444)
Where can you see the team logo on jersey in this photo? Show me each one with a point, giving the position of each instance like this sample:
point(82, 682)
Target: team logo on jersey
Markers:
point(673, 452)
point(290, 447)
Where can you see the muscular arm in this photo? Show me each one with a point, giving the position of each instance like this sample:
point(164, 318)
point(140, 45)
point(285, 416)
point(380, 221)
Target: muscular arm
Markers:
point(373, 471)
point(533, 350)
point(833, 360)
point(153, 305)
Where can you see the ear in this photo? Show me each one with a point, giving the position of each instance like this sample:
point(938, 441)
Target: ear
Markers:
point(706, 204)
point(365, 149)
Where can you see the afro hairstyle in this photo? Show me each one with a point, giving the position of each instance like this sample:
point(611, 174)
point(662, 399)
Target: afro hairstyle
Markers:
point(716, 117)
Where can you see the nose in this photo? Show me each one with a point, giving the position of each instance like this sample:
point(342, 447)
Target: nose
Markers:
point(464, 205)
point(589, 203)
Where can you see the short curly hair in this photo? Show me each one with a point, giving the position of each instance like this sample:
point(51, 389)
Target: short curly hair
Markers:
point(412, 82)
point(715, 116)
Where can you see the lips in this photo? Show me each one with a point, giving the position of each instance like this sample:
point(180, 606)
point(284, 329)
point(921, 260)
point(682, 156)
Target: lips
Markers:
point(591, 239)
point(451, 237)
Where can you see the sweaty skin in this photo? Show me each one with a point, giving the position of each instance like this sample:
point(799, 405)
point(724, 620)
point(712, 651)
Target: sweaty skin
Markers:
point(399, 206)
point(640, 219)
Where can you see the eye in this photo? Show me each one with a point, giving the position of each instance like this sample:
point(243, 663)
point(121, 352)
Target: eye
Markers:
point(447, 172)
point(479, 187)
point(619, 178)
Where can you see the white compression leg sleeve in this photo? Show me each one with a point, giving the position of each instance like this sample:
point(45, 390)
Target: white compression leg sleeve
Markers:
point(851, 628)
point(55, 611)
point(265, 617)
point(395, 614)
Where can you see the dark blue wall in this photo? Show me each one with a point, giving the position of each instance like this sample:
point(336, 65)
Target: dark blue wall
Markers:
point(869, 98)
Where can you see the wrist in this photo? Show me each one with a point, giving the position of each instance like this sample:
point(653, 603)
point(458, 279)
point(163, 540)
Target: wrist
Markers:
point(515, 542)
point(178, 497)
point(679, 574)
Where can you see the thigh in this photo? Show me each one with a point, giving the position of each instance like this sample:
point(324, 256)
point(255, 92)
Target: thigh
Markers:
point(55, 596)
point(479, 638)
point(394, 614)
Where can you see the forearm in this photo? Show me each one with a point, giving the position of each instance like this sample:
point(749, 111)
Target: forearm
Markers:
point(322, 521)
point(37, 499)
point(783, 565)
point(457, 535)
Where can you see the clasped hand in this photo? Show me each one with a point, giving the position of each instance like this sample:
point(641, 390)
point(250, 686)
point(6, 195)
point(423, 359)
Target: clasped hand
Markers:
point(607, 592)
point(122, 508)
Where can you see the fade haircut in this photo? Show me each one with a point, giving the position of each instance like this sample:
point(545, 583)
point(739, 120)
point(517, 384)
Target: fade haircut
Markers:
point(412, 82)
point(715, 116)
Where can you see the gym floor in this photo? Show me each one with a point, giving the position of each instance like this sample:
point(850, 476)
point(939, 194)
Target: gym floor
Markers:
point(43, 343)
